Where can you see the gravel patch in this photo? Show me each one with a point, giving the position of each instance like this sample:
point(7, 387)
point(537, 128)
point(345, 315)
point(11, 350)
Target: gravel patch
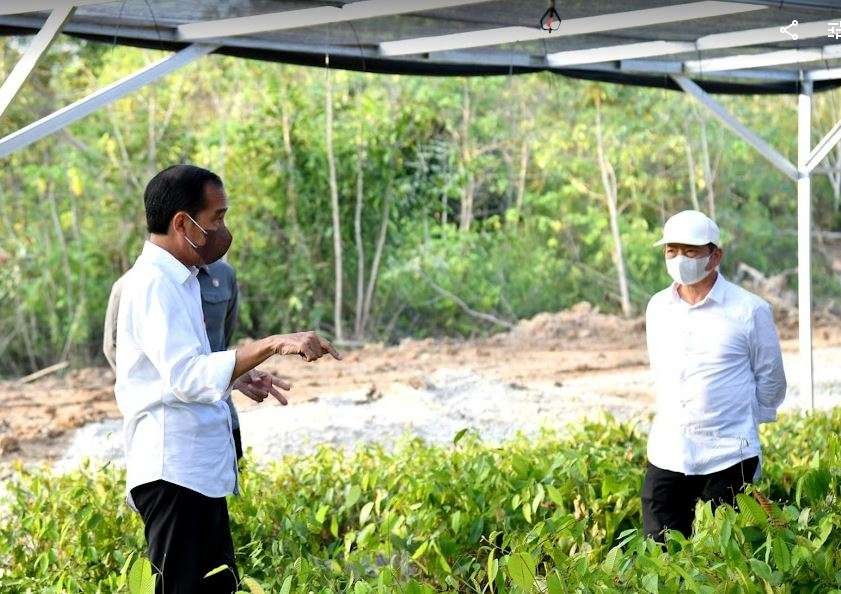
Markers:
point(450, 400)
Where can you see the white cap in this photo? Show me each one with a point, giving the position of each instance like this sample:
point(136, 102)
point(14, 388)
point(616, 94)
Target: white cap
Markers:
point(690, 227)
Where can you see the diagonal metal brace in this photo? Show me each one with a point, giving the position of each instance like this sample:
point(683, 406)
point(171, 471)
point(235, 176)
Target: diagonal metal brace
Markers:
point(37, 48)
point(76, 111)
point(821, 150)
point(729, 120)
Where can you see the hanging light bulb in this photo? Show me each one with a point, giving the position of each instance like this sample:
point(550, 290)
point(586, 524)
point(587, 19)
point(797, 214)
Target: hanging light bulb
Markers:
point(551, 20)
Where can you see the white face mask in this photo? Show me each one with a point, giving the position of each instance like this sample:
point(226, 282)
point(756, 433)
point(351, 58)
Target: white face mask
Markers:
point(688, 271)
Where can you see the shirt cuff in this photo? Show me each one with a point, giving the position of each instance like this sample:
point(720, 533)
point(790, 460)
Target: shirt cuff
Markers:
point(221, 368)
point(766, 414)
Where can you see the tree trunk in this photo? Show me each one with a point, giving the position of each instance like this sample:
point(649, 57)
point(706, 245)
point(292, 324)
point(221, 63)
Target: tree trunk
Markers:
point(611, 191)
point(467, 203)
point(357, 227)
point(466, 218)
point(709, 176)
point(834, 175)
point(334, 203)
point(152, 136)
point(690, 166)
point(373, 275)
point(375, 264)
point(521, 181)
point(298, 237)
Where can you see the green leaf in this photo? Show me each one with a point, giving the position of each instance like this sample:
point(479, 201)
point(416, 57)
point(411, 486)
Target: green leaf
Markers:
point(761, 569)
point(782, 556)
point(611, 560)
point(254, 587)
point(140, 579)
point(365, 512)
point(354, 493)
point(321, 514)
point(726, 533)
point(460, 435)
point(824, 530)
point(287, 585)
point(553, 583)
point(651, 583)
point(420, 550)
point(215, 571)
point(751, 510)
point(814, 485)
point(520, 568)
point(455, 521)
point(538, 498)
point(555, 495)
point(492, 567)
point(526, 509)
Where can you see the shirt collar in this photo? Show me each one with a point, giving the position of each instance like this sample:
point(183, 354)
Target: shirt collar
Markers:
point(719, 288)
point(716, 293)
point(164, 260)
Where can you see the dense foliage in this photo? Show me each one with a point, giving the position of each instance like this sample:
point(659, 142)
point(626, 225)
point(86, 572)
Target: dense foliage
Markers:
point(488, 190)
point(549, 514)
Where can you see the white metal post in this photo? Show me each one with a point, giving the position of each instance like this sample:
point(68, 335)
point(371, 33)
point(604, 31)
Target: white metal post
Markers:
point(804, 243)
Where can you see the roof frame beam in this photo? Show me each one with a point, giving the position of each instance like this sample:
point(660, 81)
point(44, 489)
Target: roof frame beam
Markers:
point(23, 6)
point(731, 39)
point(576, 26)
point(676, 68)
point(308, 17)
point(776, 58)
point(77, 26)
point(87, 105)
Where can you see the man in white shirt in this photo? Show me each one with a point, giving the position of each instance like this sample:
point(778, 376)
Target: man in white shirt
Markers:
point(219, 299)
point(171, 389)
point(718, 373)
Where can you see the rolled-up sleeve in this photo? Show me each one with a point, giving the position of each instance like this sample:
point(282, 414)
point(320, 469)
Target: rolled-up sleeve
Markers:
point(767, 364)
point(172, 346)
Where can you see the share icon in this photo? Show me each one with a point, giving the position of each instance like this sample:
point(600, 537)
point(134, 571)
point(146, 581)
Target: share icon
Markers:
point(789, 33)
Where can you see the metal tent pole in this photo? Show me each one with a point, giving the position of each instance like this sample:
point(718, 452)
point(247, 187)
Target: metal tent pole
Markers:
point(804, 243)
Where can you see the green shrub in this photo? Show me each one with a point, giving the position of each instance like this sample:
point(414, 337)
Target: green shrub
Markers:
point(545, 514)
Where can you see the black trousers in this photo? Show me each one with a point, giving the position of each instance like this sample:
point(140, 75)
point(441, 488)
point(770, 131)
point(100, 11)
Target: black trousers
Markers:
point(188, 535)
point(669, 498)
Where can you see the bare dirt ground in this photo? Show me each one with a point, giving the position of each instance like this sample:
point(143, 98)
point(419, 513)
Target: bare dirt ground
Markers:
point(40, 418)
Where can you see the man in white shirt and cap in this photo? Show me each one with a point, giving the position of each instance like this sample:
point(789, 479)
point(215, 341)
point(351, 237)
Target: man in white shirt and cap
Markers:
point(171, 388)
point(718, 373)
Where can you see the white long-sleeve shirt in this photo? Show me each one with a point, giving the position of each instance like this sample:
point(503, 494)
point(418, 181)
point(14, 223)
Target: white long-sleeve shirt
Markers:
point(718, 373)
point(170, 387)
